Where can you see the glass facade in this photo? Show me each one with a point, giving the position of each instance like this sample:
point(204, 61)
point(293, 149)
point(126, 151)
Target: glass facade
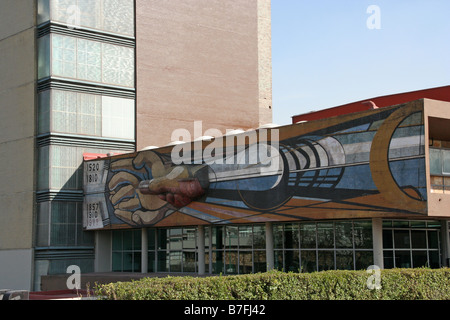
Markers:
point(317, 246)
point(298, 247)
point(86, 104)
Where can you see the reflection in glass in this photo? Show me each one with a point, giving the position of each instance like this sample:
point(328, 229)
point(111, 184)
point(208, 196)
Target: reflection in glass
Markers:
point(344, 260)
point(325, 260)
point(362, 234)
point(308, 235)
point(325, 235)
point(308, 261)
point(401, 239)
point(363, 259)
point(344, 234)
point(245, 262)
point(402, 259)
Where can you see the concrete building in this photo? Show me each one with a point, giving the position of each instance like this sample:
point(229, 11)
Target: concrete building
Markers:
point(91, 94)
point(109, 76)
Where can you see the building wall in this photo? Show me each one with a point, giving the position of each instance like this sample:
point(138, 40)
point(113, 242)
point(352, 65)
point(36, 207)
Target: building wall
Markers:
point(17, 129)
point(201, 60)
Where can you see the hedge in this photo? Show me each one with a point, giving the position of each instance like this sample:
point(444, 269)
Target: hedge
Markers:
point(396, 284)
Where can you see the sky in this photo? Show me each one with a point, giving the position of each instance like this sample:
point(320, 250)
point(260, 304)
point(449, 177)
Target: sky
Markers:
point(326, 53)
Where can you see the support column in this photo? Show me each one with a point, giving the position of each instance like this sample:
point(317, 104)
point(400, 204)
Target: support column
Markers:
point(270, 260)
point(377, 236)
point(201, 250)
point(144, 250)
point(445, 243)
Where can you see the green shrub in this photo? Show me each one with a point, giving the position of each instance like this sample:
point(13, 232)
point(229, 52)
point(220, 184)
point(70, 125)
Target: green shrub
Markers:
point(396, 284)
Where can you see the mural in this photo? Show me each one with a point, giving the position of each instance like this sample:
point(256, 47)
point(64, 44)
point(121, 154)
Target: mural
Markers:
point(365, 164)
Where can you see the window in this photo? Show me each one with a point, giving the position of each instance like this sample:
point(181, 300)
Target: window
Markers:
point(326, 245)
point(86, 114)
point(172, 250)
point(60, 167)
point(126, 251)
point(411, 244)
point(81, 59)
point(116, 16)
point(59, 224)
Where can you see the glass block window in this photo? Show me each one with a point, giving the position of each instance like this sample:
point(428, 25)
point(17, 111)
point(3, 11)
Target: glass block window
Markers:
point(112, 16)
point(59, 224)
point(60, 167)
point(87, 60)
point(86, 114)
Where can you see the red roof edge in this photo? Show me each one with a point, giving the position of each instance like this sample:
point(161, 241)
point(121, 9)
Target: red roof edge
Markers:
point(438, 93)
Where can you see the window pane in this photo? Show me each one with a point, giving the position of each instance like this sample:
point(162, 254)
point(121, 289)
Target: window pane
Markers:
point(245, 237)
point(401, 239)
point(151, 239)
point(231, 237)
point(43, 45)
point(387, 239)
point(189, 261)
point(291, 236)
point(217, 237)
point(127, 240)
point(419, 259)
point(175, 261)
point(162, 261)
point(279, 260)
point(189, 238)
point(217, 262)
point(433, 239)
point(118, 117)
point(402, 259)
point(292, 260)
point(344, 260)
point(435, 161)
point(231, 262)
point(344, 234)
point(117, 262)
point(278, 236)
point(325, 260)
point(418, 239)
point(363, 259)
point(245, 262)
point(362, 234)
point(388, 259)
point(308, 235)
point(308, 260)
point(176, 242)
point(259, 262)
point(446, 161)
point(325, 235)
point(434, 259)
point(259, 237)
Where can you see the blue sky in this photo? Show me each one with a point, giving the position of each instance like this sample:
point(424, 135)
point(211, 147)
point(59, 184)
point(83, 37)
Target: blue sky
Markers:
point(324, 55)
